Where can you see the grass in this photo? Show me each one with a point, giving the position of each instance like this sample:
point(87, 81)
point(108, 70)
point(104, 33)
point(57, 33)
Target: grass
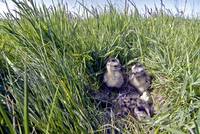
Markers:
point(49, 61)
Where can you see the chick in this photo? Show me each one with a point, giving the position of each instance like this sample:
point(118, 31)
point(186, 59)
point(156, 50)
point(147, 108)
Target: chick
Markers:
point(146, 96)
point(145, 102)
point(139, 78)
point(113, 77)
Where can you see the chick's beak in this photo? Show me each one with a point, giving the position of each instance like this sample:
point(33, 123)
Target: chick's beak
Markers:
point(117, 67)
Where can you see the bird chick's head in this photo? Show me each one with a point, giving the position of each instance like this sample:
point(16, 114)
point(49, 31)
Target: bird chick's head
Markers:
point(137, 68)
point(146, 97)
point(113, 64)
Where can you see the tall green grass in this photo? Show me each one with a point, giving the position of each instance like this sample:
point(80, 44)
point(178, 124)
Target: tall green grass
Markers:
point(57, 60)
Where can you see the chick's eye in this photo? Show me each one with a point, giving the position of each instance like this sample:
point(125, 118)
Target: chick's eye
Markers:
point(146, 81)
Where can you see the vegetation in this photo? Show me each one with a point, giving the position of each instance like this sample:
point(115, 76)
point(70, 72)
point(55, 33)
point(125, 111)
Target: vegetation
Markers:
point(50, 59)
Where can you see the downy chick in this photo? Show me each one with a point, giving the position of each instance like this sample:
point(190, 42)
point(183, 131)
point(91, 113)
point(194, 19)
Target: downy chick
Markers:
point(113, 77)
point(145, 102)
point(139, 78)
point(146, 96)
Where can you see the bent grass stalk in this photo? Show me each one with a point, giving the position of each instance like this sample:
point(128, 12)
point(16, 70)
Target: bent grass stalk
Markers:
point(51, 110)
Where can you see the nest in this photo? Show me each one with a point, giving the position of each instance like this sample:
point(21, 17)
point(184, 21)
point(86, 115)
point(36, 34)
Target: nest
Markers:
point(124, 101)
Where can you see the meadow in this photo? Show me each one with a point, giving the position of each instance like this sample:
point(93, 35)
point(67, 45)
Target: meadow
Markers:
point(50, 58)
